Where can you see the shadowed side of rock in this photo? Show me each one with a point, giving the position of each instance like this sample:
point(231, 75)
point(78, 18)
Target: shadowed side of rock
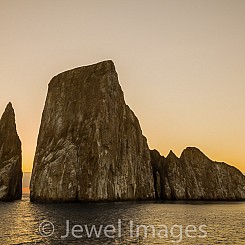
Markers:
point(90, 144)
point(194, 176)
point(158, 173)
point(10, 157)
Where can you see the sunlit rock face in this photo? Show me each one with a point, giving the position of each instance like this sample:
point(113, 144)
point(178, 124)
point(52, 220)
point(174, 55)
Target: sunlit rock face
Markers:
point(10, 157)
point(195, 176)
point(90, 144)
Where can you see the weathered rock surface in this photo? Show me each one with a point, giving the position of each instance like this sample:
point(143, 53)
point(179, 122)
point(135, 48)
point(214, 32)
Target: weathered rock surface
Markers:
point(90, 144)
point(10, 157)
point(195, 176)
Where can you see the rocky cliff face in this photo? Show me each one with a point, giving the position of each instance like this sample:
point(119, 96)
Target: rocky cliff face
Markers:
point(90, 144)
point(10, 157)
point(195, 176)
point(158, 173)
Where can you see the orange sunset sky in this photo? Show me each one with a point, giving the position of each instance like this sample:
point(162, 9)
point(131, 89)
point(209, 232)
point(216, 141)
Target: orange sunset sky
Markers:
point(180, 65)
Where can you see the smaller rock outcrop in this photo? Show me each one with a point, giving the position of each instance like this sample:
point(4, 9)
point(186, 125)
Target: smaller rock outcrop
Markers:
point(194, 176)
point(10, 157)
point(158, 173)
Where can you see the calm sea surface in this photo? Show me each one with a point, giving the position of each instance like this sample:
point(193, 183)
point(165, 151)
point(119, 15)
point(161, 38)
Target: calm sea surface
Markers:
point(119, 223)
point(222, 223)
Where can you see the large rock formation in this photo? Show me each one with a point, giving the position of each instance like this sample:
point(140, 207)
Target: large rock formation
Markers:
point(10, 157)
point(195, 176)
point(90, 145)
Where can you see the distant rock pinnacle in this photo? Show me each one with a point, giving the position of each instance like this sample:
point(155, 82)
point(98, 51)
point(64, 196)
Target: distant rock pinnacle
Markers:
point(10, 157)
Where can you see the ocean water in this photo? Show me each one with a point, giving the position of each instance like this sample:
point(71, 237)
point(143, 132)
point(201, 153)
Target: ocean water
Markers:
point(23, 222)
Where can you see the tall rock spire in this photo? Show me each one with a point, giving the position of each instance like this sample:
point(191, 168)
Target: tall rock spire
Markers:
point(10, 157)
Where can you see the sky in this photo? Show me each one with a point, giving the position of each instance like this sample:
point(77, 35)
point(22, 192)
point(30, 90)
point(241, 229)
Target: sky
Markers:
point(180, 64)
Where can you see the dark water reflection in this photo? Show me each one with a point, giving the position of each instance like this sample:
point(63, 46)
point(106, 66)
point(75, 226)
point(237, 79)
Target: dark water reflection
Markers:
point(225, 222)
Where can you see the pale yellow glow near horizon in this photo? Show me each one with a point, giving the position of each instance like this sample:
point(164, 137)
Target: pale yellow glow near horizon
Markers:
point(180, 65)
